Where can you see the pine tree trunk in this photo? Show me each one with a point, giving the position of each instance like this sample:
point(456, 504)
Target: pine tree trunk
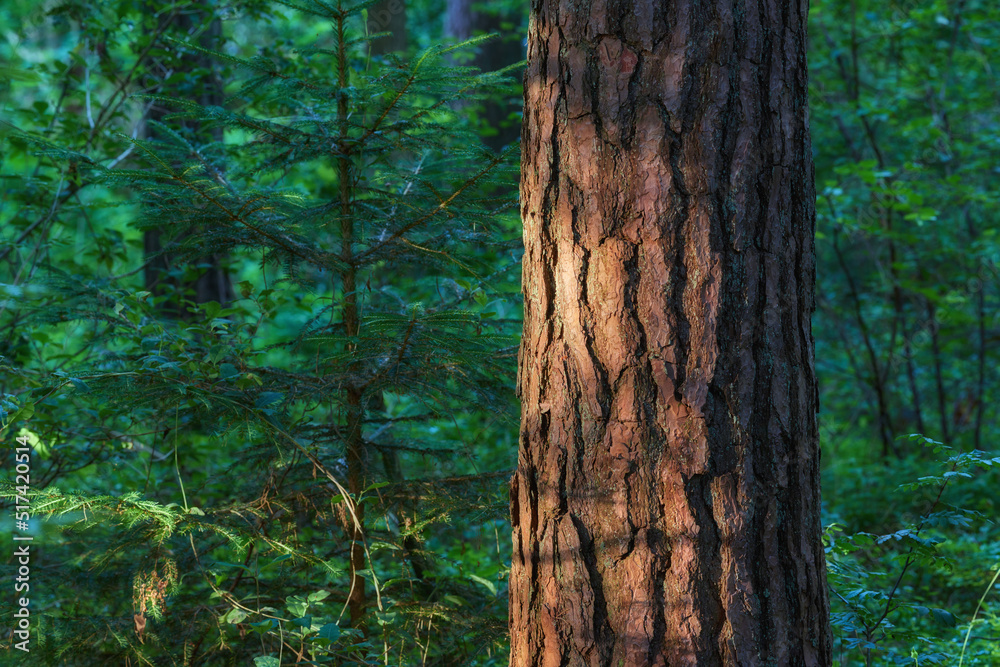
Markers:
point(666, 504)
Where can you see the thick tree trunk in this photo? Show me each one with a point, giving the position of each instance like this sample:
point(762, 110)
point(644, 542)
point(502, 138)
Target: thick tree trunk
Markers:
point(666, 504)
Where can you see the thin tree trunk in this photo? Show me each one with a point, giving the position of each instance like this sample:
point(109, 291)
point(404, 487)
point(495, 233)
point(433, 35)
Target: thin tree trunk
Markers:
point(884, 423)
point(911, 376)
point(942, 398)
point(666, 504)
point(357, 463)
point(979, 401)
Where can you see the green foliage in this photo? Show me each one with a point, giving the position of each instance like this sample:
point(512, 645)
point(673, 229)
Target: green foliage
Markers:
point(886, 585)
point(218, 480)
point(904, 106)
point(904, 124)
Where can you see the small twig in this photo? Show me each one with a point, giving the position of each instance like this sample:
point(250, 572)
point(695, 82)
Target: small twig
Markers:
point(909, 558)
point(86, 86)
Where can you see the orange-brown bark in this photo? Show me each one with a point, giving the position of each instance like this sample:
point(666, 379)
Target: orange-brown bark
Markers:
point(666, 503)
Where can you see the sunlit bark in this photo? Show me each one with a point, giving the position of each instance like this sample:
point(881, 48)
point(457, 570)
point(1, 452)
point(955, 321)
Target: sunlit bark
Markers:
point(666, 503)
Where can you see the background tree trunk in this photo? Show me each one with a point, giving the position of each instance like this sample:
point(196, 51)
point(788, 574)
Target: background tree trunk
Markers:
point(465, 20)
point(666, 504)
point(212, 283)
point(388, 16)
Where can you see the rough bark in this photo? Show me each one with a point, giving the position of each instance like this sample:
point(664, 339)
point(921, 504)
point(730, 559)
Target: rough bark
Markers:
point(666, 504)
